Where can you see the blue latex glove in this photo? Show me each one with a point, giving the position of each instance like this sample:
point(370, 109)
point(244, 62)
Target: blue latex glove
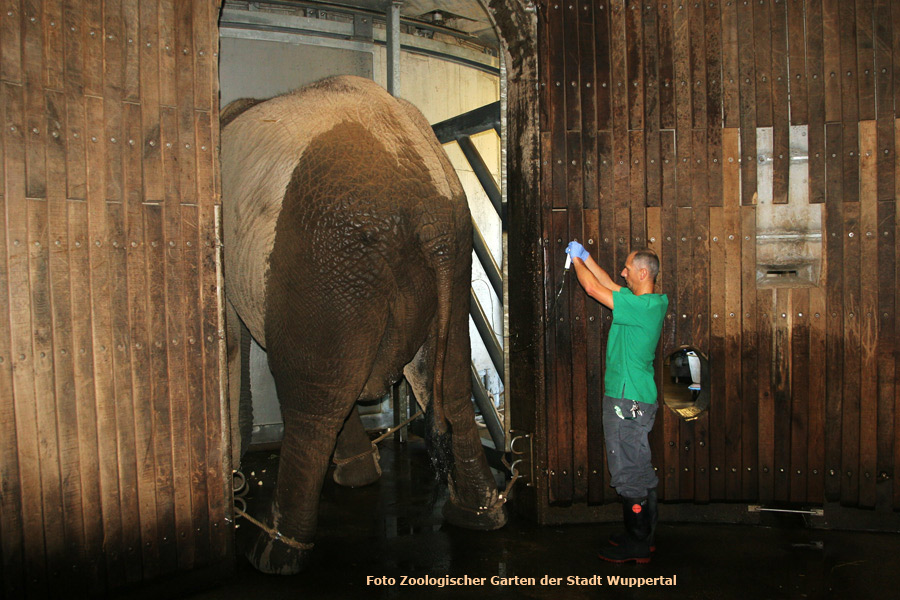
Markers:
point(576, 250)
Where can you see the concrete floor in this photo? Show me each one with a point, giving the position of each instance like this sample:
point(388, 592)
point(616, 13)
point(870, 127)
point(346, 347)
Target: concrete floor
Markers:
point(393, 530)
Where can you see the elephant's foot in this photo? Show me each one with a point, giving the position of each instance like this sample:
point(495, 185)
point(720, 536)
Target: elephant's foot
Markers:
point(359, 470)
point(490, 515)
point(278, 555)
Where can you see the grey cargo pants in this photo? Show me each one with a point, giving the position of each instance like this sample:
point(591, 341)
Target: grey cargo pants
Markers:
point(627, 448)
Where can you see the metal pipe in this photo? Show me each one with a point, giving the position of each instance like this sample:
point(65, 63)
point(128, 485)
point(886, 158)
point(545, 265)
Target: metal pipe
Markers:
point(483, 174)
point(487, 260)
point(488, 412)
point(487, 335)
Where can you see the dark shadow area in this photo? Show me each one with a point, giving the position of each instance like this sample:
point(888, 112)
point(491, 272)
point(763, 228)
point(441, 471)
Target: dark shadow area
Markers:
point(393, 529)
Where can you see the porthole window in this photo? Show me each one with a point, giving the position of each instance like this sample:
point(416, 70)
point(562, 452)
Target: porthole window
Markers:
point(686, 382)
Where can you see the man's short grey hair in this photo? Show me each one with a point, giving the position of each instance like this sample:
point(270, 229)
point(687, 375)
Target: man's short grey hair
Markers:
point(647, 259)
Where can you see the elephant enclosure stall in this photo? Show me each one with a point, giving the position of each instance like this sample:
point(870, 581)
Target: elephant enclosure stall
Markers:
point(753, 144)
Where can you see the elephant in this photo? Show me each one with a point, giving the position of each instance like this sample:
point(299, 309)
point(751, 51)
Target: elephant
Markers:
point(348, 256)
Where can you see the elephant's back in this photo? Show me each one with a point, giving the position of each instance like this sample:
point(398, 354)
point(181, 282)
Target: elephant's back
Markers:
point(260, 150)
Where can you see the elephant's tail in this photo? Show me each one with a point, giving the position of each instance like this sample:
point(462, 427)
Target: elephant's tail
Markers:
point(438, 444)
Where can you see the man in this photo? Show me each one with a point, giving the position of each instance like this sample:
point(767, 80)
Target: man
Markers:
point(629, 401)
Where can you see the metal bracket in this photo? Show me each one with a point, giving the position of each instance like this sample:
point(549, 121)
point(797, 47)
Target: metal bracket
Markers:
point(816, 512)
point(522, 450)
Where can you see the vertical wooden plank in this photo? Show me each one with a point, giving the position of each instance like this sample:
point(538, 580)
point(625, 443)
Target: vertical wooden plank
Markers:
point(775, 419)
point(781, 155)
point(206, 42)
point(729, 421)
point(665, 439)
point(865, 59)
point(75, 135)
point(800, 414)
point(140, 343)
point(849, 73)
point(193, 336)
point(730, 65)
point(131, 83)
point(698, 62)
point(38, 285)
point(884, 109)
point(667, 78)
point(159, 386)
point(85, 391)
point(637, 191)
point(868, 313)
point(718, 356)
point(762, 53)
point(166, 52)
point(771, 390)
point(12, 542)
point(651, 105)
point(92, 41)
point(834, 248)
point(588, 105)
point(603, 66)
point(635, 64)
point(557, 110)
point(53, 44)
point(594, 376)
point(831, 32)
point(577, 472)
point(21, 350)
point(104, 387)
point(569, 75)
point(817, 394)
point(63, 376)
point(11, 41)
point(887, 264)
point(130, 569)
point(714, 65)
point(850, 416)
point(683, 102)
point(815, 66)
point(798, 38)
point(113, 60)
point(756, 374)
point(551, 244)
point(748, 102)
point(33, 66)
point(150, 100)
point(175, 353)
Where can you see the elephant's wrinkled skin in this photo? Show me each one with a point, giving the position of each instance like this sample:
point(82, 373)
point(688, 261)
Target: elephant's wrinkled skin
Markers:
point(348, 257)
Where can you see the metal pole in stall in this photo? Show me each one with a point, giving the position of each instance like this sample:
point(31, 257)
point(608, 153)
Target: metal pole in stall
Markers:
point(392, 17)
point(400, 390)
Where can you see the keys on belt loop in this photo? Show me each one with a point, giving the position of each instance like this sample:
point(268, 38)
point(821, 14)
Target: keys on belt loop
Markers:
point(635, 410)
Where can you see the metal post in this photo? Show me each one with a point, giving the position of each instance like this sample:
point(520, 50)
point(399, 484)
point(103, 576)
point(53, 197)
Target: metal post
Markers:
point(393, 47)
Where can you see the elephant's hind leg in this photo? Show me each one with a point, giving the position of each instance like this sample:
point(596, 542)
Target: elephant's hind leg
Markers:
point(474, 500)
point(355, 455)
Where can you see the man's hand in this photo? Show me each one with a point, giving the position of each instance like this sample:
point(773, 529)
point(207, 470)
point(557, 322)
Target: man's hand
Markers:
point(576, 250)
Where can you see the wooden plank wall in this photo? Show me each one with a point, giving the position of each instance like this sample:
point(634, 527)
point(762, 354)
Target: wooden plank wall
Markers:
point(649, 116)
point(111, 424)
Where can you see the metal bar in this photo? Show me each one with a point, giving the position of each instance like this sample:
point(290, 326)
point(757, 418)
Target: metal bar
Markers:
point(470, 123)
point(488, 412)
point(487, 260)
point(393, 48)
point(483, 174)
point(816, 512)
point(487, 335)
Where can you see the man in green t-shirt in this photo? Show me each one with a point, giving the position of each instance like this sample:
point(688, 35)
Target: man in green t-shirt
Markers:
point(629, 400)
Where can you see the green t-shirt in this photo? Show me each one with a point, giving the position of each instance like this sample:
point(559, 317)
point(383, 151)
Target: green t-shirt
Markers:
point(636, 325)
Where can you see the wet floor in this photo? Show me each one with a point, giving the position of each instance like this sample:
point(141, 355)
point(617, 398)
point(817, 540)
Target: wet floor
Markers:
point(388, 541)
